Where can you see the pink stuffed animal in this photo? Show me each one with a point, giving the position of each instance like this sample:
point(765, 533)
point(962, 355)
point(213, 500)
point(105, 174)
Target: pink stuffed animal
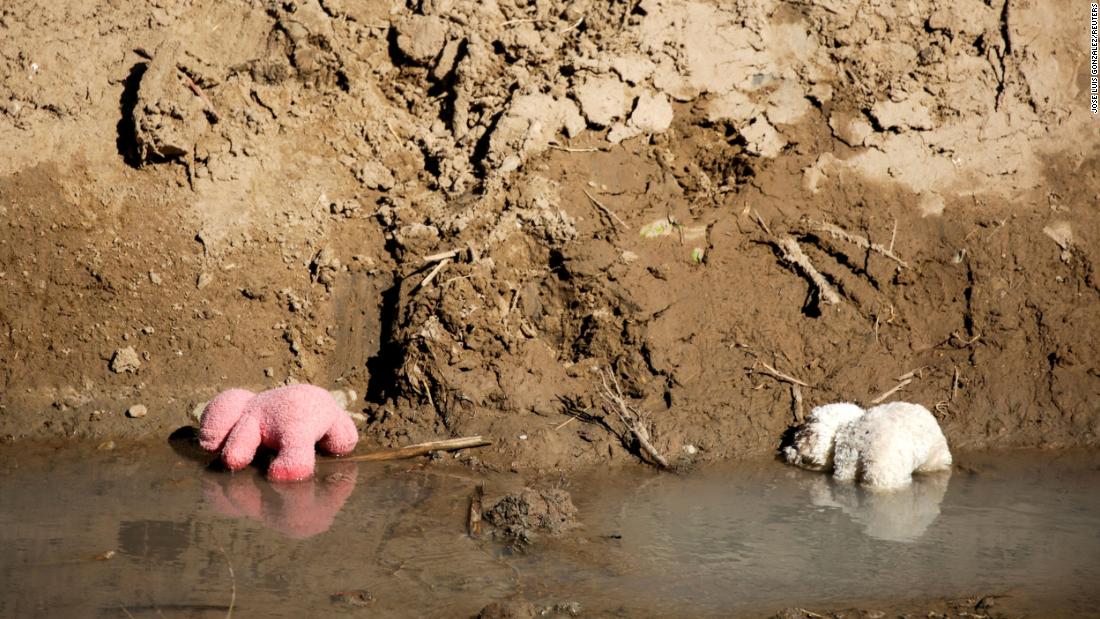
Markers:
point(290, 419)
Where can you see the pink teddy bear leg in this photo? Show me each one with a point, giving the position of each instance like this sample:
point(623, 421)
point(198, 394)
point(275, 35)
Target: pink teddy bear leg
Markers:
point(341, 437)
point(294, 462)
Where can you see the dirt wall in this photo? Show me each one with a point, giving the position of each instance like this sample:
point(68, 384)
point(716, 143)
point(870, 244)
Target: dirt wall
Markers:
point(468, 211)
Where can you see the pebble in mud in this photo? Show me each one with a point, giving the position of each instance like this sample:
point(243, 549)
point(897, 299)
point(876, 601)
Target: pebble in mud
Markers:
point(137, 411)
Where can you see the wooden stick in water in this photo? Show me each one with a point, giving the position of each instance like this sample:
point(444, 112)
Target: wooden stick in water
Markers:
point(411, 451)
point(473, 521)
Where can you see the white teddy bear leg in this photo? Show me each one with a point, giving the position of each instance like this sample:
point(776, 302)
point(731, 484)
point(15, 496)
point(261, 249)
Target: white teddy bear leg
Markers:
point(885, 471)
point(939, 458)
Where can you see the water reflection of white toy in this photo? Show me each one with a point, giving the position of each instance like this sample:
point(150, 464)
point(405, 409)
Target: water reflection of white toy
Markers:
point(899, 516)
point(881, 447)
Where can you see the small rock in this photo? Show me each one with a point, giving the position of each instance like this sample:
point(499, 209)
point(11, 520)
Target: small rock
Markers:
point(902, 115)
point(447, 59)
point(269, 372)
point(154, 278)
point(1061, 232)
point(345, 397)
point(603, 100)
point(125, 360)
point(374, 175)
point(852, 130)
point(137, 411)
point(421, 38)
point(734, 106)
point(763, 139)
point(197, 411)
point(106, 446)
point(633, 68)
point(621, 131)
point(787, 104)
point(203, 280)
point(652, 113)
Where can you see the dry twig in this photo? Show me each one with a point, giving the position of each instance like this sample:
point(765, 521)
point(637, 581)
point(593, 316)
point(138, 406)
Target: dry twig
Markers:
point(963, 343)
point(566, 422)
point(443, 255)
point(903, 380)
point(774, 373)
point(233, 585)
point(201, 95)
point(411, 451)
point(427, 280)
point(605, 210)
point(571, 149)
point(793, 254)
point(613, 395)
point(473, 518)
point(760, 220)
point(863, 242)
point(575, 25)
point(796, 398)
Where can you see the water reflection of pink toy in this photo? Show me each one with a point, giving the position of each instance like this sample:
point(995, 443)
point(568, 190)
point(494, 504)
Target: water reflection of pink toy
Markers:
point(292, 420)
point(298, 511)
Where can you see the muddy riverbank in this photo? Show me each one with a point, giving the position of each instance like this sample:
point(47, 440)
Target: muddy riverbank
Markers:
point(464, 211)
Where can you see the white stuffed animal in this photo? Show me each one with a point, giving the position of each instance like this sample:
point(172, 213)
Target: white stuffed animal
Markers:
point(881, 448)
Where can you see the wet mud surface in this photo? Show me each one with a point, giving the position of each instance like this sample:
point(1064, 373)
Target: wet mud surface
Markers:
point(146, 531)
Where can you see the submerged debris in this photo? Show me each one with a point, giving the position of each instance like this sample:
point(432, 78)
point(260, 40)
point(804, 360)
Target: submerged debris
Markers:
point(524, 514)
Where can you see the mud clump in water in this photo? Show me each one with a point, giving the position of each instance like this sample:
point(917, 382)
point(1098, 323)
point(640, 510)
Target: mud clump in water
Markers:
point(523, 515)
point(511, 609)
point(521, 609)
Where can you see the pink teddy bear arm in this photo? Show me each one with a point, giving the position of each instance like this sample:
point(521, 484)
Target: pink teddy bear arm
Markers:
point(220, 416)
point(242, 443)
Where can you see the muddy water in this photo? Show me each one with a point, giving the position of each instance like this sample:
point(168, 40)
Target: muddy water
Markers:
point(146, 531)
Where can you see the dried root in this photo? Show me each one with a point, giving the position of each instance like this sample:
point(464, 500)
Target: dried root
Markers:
point(862, 242)
point(793, 254)
point(612, 394)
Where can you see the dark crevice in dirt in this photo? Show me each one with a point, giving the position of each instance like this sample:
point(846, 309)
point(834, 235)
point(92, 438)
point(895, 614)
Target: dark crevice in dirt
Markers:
point(126, 140)
point(968, 294)
point(481, 148)
point(383, 367)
